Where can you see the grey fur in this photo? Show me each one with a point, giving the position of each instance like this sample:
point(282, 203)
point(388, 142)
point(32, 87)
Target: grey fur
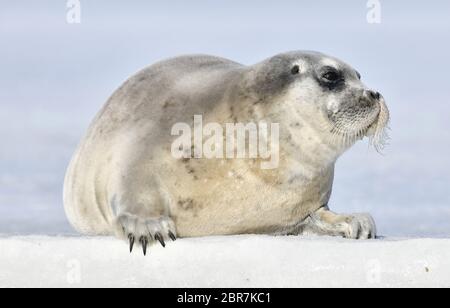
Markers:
point(123, 180)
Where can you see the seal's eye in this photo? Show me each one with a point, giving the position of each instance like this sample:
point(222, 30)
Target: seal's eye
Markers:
point(332, 76)
point(295, 70)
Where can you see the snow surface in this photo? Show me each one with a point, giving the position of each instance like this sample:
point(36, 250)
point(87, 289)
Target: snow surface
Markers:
point(235, 261)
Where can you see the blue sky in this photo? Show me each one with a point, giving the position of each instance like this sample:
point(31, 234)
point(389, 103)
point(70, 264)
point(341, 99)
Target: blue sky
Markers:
point(55, 76)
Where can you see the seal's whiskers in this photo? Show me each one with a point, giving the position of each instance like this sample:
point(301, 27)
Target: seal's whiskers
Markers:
point(380, 138)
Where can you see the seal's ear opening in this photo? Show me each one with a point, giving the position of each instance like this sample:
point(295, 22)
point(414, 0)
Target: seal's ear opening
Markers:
point(295, 70)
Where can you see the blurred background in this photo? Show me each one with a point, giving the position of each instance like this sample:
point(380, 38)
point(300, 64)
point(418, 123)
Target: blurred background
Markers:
point(55, 76)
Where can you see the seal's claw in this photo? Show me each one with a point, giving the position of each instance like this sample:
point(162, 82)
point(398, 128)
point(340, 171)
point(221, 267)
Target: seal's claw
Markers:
point(131, 239)
point(159, 238)
point(144, 242)
point(144, 231)
point(367, 227)
point(172, 236)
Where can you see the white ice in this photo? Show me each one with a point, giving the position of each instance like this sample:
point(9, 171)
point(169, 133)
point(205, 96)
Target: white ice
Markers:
point(235, 261)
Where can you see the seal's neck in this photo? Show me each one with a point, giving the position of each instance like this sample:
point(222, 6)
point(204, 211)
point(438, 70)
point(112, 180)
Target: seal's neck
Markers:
point(309, 148)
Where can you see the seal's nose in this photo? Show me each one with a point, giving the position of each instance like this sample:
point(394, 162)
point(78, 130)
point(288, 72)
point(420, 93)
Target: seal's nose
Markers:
point(373, 95)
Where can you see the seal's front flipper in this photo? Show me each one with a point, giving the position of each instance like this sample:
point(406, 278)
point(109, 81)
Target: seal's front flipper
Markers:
point(325, 222)
point(144, 231)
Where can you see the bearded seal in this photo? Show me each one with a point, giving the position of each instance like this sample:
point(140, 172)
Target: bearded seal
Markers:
point(124, 180)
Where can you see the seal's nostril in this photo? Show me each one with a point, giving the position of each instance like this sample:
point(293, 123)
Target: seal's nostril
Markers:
point(374, 95)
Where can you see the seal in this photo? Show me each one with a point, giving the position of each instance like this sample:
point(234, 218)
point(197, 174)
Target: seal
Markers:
point(124, 179)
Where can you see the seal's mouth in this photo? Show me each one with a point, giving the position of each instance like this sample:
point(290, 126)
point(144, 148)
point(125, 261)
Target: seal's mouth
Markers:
point(354, 124)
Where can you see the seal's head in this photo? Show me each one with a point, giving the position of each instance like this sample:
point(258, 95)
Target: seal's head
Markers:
point(325, 93)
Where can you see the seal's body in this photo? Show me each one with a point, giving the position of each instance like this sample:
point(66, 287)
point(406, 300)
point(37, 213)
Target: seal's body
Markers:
point(125, 180)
